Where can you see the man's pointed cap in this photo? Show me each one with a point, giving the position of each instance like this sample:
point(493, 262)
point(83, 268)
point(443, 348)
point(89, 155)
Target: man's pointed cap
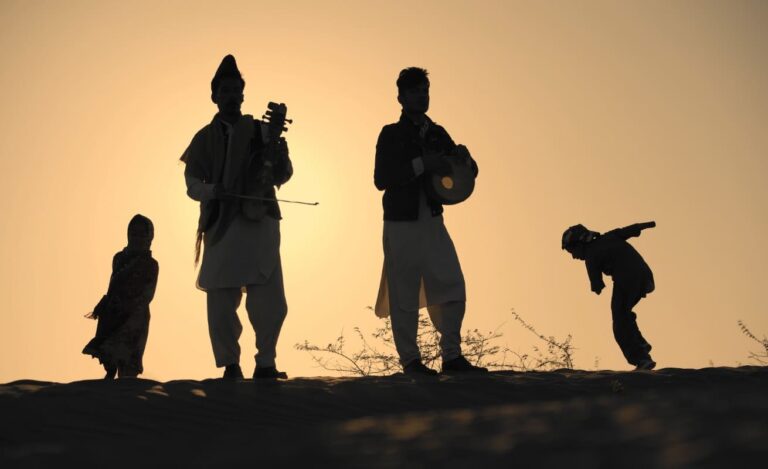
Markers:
point(227, 69)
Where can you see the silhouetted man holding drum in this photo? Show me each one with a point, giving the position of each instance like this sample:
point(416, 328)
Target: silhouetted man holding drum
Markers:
point(420, 168)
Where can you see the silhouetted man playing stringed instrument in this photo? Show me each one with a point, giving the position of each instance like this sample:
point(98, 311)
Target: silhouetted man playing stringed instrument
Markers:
point(416, 162)
point(232, 167)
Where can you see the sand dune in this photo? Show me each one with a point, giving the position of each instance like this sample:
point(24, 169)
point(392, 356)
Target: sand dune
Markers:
point(671, 418)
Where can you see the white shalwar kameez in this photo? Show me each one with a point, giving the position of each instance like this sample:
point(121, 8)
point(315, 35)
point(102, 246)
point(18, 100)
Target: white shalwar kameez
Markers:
point(246, 259)
point(421, 269)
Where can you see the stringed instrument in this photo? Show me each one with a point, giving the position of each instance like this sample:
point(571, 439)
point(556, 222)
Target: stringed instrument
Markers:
point(457, 186)
point(260, 173)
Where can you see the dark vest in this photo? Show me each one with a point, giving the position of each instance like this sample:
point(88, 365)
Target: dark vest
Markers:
point(398, 145)
point(205, 159)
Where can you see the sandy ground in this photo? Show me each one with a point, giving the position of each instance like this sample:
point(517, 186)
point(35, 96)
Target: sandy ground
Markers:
point(714, 417)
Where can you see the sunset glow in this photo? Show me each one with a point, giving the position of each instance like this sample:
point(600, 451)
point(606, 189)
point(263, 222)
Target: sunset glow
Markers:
point(601, 113)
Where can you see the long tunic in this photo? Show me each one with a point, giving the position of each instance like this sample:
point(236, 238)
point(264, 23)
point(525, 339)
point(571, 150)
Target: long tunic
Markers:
point(247, 254)
point(237, 251)
point(420, 261)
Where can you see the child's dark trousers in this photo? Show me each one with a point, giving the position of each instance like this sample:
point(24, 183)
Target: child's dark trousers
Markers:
point(632, 343)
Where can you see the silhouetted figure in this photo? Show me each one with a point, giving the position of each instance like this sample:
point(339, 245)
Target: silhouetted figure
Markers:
point(421, 267)
point(241, 250)
point(123, 313)
point(611, 254)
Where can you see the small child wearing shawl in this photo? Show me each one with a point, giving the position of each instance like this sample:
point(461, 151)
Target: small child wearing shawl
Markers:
point(123, 313)
point(612, 255)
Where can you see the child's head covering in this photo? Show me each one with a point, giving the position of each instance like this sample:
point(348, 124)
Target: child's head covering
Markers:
point(577, 234)
point(140, 228)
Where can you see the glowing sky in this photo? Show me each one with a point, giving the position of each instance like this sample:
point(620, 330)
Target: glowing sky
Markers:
point(601, 113)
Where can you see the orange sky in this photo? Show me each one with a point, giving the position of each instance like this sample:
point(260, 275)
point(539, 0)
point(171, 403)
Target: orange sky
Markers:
point(603, 113)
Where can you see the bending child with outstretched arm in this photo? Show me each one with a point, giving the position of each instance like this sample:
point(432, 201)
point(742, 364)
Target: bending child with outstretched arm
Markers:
point(611, 254)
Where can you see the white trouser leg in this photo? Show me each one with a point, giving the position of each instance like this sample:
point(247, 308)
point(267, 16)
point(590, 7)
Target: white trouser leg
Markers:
point(267, 309)
point(405, 327)
point(223, 325)
point(447, 319)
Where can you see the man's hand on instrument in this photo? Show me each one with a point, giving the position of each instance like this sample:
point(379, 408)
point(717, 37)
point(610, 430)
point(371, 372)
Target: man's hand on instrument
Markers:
point(436, 163)
point(462, 152)
point(220, 193)
point(282, 148)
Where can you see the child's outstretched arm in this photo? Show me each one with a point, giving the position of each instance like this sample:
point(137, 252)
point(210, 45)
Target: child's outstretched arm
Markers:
point(632, 231)
point(595, 276)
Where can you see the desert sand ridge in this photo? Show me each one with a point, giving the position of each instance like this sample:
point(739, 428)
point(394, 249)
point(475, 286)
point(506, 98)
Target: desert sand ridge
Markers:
point(667, 418)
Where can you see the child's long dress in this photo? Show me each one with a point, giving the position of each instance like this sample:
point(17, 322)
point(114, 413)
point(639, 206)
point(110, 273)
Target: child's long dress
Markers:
point(123, 313)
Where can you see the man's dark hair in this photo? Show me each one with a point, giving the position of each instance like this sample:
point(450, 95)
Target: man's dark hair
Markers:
point(411, 77)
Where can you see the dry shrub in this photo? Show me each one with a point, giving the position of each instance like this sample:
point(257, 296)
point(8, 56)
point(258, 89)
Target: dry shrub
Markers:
point(377, 355)
point(759, 357)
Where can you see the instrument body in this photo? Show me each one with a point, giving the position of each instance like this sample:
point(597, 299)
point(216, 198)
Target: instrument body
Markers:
point(260, 176)
point(457, 186)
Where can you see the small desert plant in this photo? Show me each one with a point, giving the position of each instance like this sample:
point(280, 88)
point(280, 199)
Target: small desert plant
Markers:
point(556, 354)
point(378, 356)
point(759, 357)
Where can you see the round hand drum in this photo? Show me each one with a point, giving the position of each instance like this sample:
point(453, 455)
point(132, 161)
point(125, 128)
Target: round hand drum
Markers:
point(454, 188)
